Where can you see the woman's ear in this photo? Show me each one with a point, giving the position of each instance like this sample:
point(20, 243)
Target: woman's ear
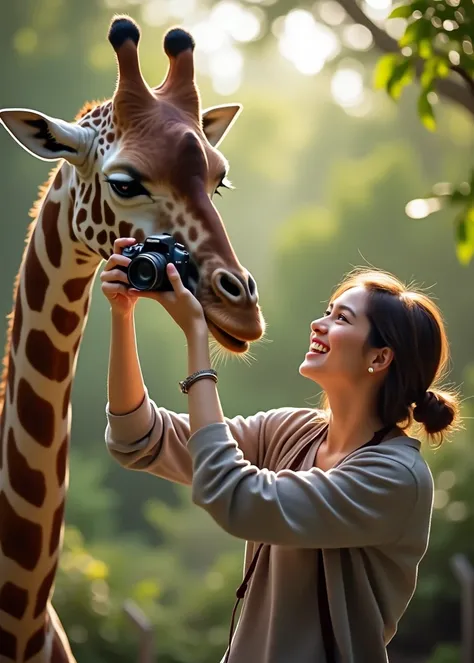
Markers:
point(381, 359)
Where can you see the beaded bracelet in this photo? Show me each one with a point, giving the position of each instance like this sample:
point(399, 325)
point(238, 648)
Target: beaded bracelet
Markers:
point(198, 375)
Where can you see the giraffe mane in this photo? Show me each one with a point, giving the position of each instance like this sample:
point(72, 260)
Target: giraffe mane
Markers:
point(33, 213)
point(88, 106)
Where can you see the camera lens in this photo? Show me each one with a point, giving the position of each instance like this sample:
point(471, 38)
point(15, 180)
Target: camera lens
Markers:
point(146, 272)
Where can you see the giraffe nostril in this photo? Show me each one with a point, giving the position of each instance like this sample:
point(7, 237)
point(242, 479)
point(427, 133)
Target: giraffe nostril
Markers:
point(229, 286)
point(252, 285)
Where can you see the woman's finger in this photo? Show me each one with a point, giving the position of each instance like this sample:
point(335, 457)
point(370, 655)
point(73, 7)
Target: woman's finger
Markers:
point(122, 242)
point(175, 279)
point(112, 289)
point(113, 275)
point(116, 259)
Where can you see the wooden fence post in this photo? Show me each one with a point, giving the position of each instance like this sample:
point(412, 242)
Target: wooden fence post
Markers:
point(464, 572)
point(140, 621)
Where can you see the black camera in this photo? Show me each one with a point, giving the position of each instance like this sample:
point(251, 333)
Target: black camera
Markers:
point(147, 269)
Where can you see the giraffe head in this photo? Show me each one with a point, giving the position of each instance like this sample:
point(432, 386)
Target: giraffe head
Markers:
point(146, 162)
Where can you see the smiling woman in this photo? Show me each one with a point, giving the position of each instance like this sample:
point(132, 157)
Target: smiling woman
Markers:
point(335, 504)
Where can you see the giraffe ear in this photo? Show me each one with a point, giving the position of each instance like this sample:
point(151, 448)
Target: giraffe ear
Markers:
point(48, 138)
point(218, 120)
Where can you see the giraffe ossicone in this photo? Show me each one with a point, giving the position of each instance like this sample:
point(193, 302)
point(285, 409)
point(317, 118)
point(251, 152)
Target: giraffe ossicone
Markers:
point(142, 163)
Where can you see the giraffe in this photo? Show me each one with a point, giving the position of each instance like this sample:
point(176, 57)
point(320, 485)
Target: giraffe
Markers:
point(143, 162)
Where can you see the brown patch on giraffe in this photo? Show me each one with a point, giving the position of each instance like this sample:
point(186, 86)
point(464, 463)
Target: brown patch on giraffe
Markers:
point(70, 216)
point(44, 591)
point(101, 141)
point(96, 122)
point(74, 288)
point(17, 322)
point(96, 112)
point(89, 232)
point(104, 254)
point(139, 236)
point(20, 539)
point(61, 461)
point(28, 483)
point(56, 528)
point(96, 206)
point(8, 644)
point(82, 189)
point(81, 217)
point(180, 220)
point(13, 600)
point(58, 180)
point(36, 279)
point(170, 206)
point(102, 237)
point(11, 377)
point(193, 234)
point(179, 237)
point(112, 238)
point(52, 239)
point(35, 644)
point(67, 397)
point(87, 195)
point(45, 357)
point(80, 261)
point(65, 321)
point(125, 229)
point(110, 137)
point(109, 216)
point(36, 415)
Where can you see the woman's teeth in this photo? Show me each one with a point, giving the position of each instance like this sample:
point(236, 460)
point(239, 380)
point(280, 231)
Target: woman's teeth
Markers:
point(317, 347)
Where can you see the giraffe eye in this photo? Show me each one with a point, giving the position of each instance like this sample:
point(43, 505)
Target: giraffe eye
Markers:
point(223, 184)
point(127, 188)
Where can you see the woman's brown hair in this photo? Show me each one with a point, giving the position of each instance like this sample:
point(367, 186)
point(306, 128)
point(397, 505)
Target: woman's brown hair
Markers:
point(410, 323)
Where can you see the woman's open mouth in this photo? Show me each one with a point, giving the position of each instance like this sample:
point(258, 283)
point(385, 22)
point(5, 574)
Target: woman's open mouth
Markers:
point(227, 340)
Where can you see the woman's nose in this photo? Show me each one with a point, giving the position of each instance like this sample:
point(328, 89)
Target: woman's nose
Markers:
point(319, 326)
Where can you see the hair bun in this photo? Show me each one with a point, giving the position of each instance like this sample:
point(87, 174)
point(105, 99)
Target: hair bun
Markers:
point(435, 412)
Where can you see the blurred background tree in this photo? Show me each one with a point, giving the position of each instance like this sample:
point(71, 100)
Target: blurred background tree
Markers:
point(326, 169)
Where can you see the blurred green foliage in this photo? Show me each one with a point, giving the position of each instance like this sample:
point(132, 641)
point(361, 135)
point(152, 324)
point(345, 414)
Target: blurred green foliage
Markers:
point(318, 190)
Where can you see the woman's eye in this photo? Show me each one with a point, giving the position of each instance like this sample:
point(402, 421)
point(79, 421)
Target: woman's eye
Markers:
point(341, 316)
point(127, 189)
point(326, 313)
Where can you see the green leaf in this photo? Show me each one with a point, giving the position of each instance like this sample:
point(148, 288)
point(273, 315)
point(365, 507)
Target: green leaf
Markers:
point(464, 241)
point(402, 76)
point(425, 49)
point(402, 11)
point(416, 31)
point(425, 111)
point(384, 69)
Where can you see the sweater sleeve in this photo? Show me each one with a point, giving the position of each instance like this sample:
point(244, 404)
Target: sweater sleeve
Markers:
point(364, 502)
point(155, 439)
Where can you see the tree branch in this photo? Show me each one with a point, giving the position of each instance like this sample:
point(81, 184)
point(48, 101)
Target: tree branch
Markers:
point(446, 88)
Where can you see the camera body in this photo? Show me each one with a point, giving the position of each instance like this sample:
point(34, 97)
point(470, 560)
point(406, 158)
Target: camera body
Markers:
point(147, 269)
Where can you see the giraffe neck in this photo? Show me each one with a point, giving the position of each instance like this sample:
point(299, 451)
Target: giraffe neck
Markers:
point(48, 321)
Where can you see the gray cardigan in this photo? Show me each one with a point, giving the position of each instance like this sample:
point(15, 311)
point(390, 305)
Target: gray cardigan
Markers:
point(370, 515)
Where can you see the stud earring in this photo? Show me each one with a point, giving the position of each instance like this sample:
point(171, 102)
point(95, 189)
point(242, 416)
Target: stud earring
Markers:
point(370, 369)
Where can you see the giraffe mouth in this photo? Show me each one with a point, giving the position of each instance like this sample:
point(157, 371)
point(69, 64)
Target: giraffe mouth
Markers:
point(227, 340)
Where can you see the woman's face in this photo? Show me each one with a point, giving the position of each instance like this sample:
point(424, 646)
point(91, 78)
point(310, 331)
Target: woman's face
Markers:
point(337, 351)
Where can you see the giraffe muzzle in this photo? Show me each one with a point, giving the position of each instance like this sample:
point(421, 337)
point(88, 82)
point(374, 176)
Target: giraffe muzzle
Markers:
point(230, 288)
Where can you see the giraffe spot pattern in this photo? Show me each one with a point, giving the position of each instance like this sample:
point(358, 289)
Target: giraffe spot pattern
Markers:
point(13, 600)
point(101, 141)
point(140, 236)
point(102, 237)
point(81, 217)
point(11, 377)
point(61, 461)
point(44, 356)
point(96, 206)
point(170, 206)
point(86, 306)
point(104, 254)
point(56, 528)
point(89, 232)
point(74, 288)
point(51, 232)
point(66, 399)
point(193, 234)
point(28, 483)
point(125, 229)
point(35, 644)
point(36, 415)
point(17, 323)
point(8, 645)
point(87, 196)
point(58, 180)
point(108, 215)
point(96, 112)
point(43, 592)
point(65, 321)
point(80, 261)
point(113, 238)
point(36, 279)
point(70, 216)
point(20, 539)
point(110, 137)
point(82, 189)
point(180, 220)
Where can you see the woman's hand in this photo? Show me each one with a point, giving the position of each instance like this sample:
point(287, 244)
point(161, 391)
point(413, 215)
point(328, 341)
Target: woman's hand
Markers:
point(181, 304)
point(114, 282)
